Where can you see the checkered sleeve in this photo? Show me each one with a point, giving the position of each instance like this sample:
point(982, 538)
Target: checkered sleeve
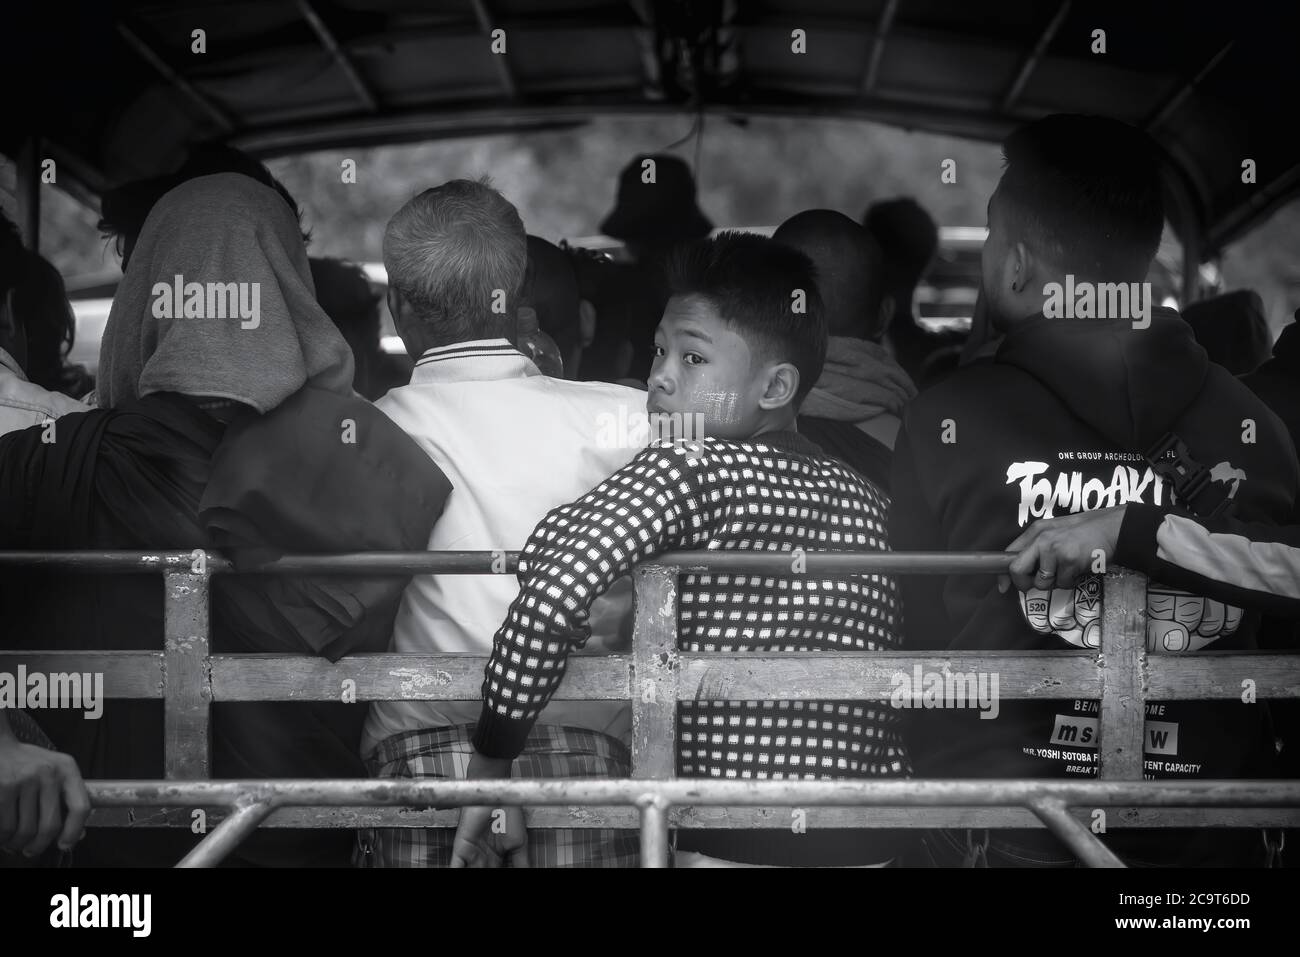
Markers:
point(654, 504)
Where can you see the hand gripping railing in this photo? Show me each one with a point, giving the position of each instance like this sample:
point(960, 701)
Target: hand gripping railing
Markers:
point(188, 679)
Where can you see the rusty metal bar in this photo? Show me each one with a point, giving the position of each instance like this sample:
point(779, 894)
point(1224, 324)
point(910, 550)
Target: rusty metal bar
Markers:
point(774, 676)
point(688, 792)
point(654, 832)
point(878, 46)
point(1259, 199)
point(227, 835)
point(199, 99)
point(187, 696)
point(655, 669)
point(1075, 836)
point(506, 75)
point(1165, 109)
point(1036, 54)
point(481, 563)
point(761, 817)
point(1123, 680)
point(336, 52)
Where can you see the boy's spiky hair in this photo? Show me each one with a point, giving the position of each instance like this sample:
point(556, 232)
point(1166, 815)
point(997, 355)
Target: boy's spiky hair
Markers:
point(754, 283)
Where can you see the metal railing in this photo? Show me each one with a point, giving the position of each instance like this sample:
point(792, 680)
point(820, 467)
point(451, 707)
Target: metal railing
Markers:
point(188, 679)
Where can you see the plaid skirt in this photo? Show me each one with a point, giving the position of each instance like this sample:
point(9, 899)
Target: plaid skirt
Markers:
point(551, 752)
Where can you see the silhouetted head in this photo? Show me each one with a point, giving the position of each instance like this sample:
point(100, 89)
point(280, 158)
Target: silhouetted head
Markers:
point(656, 205)
point(551, 289)
point(848, 262)
point(908, 238)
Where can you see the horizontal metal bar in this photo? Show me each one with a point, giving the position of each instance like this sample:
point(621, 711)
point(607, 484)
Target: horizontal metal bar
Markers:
point(396, 678)
point(779, 676)
point(126, 674)
point(852, 676)
point(1218, 674)
point(482, 563)
point(766, 817)
point(626, 791)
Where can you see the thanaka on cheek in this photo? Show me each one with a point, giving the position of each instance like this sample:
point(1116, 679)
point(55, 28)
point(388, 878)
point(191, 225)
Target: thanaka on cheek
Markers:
point(720, 407)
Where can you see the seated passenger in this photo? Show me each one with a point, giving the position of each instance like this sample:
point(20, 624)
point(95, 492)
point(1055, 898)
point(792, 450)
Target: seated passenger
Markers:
point(908, 239)
point(344, 293)
point(515, 444)
point(1232, 328)
point(853, 410)
point(551, 290)
point(733, 361)
point(228, 421)
point(23, 403)
point(1079, 408)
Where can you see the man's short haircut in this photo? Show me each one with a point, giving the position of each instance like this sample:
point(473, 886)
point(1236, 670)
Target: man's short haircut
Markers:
point(450, 250)
point(751, 281)
point(1084, 192)
point(849, 274)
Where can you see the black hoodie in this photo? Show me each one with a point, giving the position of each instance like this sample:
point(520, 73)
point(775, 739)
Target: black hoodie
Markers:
point(1055, 423)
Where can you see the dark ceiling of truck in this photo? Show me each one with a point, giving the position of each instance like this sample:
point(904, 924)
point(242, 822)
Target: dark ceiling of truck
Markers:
point(117, 90)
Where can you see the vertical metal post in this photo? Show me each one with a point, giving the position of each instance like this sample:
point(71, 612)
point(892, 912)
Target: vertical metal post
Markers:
point(654, 673)
point(187, 690)
point(654, 833)
point(1123, 676)
point(28, 189)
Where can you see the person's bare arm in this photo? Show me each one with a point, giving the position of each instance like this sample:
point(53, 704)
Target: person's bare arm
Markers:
point(42, 796)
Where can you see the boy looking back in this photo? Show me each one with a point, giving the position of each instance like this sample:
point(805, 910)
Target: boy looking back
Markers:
point(734, 356)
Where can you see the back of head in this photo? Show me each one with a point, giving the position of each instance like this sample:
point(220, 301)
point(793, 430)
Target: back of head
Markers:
point(908, 238)
point(456, 256)
point(1083, 194)
point(218, 301)
point(848, 262)
point(764, 290)
point(345, 294)
point(124, 209)
point(551, 288)
point(1233, 329)
point(38, 325)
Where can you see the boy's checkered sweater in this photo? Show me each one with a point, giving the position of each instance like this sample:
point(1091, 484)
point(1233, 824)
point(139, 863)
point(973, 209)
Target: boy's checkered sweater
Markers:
point(775, 493)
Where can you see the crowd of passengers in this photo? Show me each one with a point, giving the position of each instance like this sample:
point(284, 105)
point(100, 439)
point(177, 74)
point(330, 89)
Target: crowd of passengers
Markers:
point(1063, 437)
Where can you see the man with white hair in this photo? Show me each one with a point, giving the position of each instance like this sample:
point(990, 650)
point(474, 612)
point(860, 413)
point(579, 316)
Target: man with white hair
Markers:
point(515, 444)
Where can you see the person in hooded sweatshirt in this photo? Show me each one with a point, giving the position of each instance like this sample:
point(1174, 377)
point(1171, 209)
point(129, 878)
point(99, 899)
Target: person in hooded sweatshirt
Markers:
point(1062, 418)
point(853, 410)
